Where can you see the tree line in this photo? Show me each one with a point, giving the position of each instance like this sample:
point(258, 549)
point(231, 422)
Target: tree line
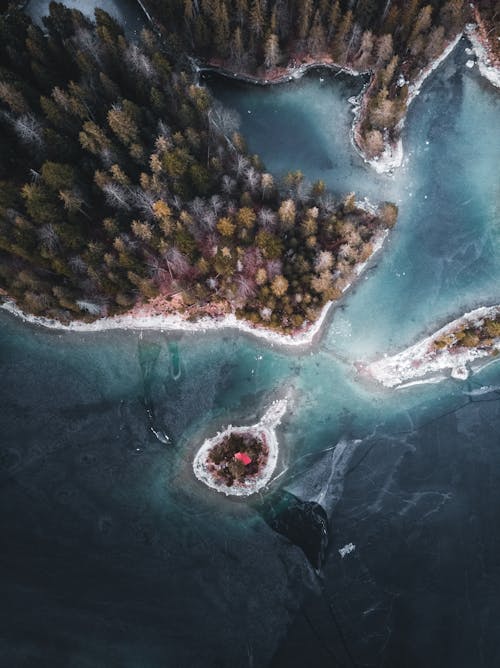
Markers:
point(395, 39)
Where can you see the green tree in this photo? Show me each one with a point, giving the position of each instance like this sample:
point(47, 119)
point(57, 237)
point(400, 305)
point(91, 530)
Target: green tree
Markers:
point(93, 138)
point(39, 203)
point(58, 176)
point(123, 124)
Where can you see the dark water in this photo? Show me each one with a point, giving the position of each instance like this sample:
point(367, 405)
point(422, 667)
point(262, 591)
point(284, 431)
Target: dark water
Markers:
point(114, 555)
point(127, 12)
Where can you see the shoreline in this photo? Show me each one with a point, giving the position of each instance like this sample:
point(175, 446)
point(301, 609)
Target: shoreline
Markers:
point(175, 322)
point(282, 75)
point(393, 153)
point(486, 65)
point(423, 360)
point(392, 156)
point(265, 428)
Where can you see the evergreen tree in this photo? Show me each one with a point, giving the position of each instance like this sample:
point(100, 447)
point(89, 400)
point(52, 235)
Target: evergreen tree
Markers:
point(272, 52)
point(304, 19)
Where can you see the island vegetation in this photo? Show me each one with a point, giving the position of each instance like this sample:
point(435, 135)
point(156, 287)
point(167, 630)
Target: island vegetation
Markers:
point(123, 181)
point(483, 334)
point(237, 457)
point(240, 461)
point(474, 336)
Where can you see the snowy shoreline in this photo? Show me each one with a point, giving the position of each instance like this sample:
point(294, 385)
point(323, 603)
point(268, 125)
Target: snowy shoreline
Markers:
point(392, 155)
point(487, 68)
point(265, 428)
point(175, 322)
point(289, 74)
point(423, 359)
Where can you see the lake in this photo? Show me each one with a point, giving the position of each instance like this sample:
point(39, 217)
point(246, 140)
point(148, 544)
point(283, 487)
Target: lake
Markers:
point(114, 554)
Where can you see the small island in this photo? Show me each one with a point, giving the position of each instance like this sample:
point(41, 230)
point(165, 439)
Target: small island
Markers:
point(237, 457)
point(475, 335)
point(241, 460)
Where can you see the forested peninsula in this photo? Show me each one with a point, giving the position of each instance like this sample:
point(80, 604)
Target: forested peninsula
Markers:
point(122, 182)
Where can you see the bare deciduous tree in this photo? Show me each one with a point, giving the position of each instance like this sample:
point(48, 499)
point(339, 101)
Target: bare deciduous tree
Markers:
point(48, 237)
point(28, 129)
point(117, 195)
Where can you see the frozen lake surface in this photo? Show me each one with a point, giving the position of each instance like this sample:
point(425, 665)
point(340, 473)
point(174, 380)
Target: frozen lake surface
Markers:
point(127, 12)
point(114, 554)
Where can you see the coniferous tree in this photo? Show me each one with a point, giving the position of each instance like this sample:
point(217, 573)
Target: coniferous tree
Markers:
point(272, 52)
point(155, 166)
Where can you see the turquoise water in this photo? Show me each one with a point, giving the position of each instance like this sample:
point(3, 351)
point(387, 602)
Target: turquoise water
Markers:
point(444, 255)
point(120, 557)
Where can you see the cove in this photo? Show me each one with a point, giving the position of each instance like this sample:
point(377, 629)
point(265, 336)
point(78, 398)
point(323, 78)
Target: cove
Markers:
point(115, 554)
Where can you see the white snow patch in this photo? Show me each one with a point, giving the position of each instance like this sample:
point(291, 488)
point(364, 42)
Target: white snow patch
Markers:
point(486, 69)
point(89, 307)
point(433, 380)
point(347, 549)
point(459, 373)
point(423, 359)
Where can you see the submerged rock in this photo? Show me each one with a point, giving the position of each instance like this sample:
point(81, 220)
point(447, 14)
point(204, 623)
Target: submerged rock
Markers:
point(304, 523)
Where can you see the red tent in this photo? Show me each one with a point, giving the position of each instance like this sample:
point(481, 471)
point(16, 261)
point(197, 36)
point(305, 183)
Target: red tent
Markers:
point(243, 457)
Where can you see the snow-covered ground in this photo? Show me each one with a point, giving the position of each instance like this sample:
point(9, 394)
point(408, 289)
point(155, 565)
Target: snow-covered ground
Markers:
point(174, 323)
point(266, 427)
point(347, 549)
point(392, 156)
point(423, 359)
point(486, 67)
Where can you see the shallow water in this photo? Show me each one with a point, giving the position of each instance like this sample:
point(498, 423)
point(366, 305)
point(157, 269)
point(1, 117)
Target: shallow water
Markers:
point(115, 555)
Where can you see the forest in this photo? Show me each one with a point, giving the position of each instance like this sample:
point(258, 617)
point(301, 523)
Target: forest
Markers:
point(392, 39)
point(121, 180)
